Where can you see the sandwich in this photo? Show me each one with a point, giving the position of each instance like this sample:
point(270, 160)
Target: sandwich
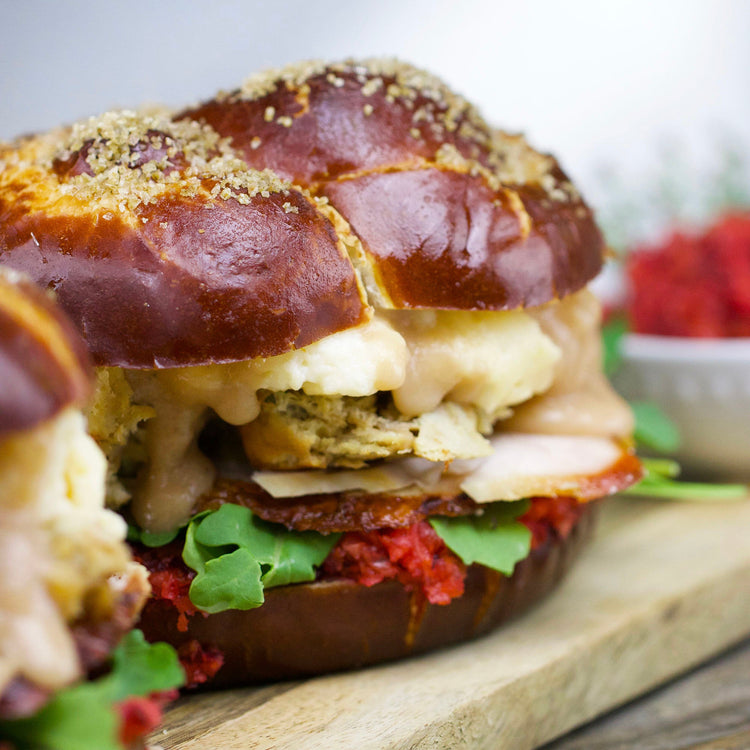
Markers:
point(348, 376)
point(69, 589)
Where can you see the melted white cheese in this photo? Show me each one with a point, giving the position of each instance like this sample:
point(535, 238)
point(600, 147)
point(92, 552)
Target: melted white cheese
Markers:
point(580, 401)
point(356, 362)
point(487, 360)
point(539, 370)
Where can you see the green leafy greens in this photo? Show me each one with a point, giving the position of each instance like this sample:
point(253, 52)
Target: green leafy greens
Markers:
point(152, 539)
point(83, 717)
point(612, 335)
point(653, 428)
point(494, 539)
point(237, 555)
point(659, 481)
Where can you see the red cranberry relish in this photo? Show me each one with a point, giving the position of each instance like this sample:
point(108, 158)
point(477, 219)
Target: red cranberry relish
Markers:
point(694, 285)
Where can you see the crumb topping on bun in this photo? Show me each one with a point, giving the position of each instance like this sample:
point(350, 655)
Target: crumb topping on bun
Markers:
point(428, 187)
point(167, 249)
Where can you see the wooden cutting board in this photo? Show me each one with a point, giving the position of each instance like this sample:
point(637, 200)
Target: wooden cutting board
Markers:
point(663, 587)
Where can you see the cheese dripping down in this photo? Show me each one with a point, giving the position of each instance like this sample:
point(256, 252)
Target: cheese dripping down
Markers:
point(581, 400)
point(490, 361)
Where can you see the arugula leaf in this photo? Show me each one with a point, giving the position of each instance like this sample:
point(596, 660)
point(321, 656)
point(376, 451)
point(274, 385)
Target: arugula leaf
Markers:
point(237, 555)
point(141, 668)
point(158, 538)
point(653, 428)
point(230, 524)
point(152, 539)
point(661, 467)
point(293, 559)
point(83, 717)
point(494, 539)
point(659, 481)
point(79, 718)
point(194, 554)
point(612, 334)
point(230, 581)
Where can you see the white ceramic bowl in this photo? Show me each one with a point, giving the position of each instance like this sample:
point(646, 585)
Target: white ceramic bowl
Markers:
point(704, 386)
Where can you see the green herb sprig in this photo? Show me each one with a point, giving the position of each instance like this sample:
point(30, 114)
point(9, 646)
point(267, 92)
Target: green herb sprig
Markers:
point(84, 717)
point(660, 480)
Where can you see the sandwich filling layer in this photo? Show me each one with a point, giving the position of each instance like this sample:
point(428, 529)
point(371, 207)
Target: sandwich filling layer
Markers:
point(431, 385)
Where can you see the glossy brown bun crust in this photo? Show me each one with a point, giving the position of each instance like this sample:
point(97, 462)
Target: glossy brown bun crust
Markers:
point(166, 250)
point(310, 629)
point(450, 212)
point(44, 366)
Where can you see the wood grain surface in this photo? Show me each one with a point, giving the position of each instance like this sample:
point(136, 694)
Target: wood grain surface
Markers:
point(707, 709)
point(663, 588)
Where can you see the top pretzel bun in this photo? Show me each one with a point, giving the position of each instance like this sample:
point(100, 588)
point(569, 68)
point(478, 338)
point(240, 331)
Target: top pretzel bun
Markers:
point(44, 366)
point(450, 213)
point(166, 249)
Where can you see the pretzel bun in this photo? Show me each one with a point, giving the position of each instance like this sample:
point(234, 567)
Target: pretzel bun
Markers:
point(450, 213)
point(44, 366)
point(166, 250)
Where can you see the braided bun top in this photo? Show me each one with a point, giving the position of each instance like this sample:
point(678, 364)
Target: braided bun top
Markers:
point(450, 212)
point(166, 249)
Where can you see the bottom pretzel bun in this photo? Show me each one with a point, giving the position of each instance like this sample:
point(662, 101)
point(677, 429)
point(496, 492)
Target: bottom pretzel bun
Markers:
point(332, 625)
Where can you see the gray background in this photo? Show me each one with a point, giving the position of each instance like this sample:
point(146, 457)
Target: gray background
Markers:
point(596, 81)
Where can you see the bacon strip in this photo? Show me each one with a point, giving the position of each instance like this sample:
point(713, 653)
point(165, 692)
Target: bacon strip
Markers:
point(360, 511)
